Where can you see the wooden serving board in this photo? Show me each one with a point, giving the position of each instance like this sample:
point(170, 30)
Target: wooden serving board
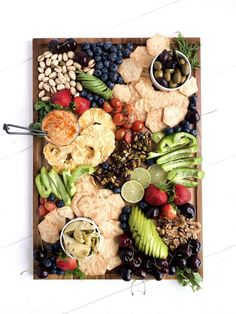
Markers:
point(39, 46)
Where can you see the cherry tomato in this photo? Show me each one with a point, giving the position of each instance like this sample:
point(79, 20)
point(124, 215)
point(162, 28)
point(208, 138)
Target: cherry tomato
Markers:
point(138, 126)
point(41, 211)
point(49, 206)
point(118, 119)
point(115, 102)
point(132, 117)
point(42, 200)
point(127, 109)
point(128, 136)
point(127, 125)
point(107, 107)
point(120, 133)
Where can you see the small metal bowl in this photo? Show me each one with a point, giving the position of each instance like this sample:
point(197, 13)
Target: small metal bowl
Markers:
point(70, 222)
point(159, 86)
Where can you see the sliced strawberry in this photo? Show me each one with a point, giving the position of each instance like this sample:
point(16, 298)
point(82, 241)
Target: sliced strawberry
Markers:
point(168, 211)
point(62, 98)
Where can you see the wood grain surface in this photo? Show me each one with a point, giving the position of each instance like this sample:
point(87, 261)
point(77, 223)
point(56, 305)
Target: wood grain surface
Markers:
point(39, 46)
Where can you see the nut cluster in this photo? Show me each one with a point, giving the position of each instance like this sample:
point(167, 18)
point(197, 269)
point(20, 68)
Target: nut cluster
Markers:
point(124, 159)
point(178, 231)
point(57, 71)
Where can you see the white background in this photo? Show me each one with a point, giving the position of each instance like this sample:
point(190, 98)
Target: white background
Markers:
point(214, 22)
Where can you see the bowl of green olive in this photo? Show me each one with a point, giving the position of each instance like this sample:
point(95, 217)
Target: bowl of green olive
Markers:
point(170, 70)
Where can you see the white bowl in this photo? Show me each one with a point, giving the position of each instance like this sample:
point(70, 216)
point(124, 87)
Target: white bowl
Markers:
point(180, 54)
point(73, 220)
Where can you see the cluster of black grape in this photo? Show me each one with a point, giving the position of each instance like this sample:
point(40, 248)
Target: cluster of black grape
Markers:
point(46, 258)
point(55, 46)
point(189, 124)
point(108, 57)
point(96, 100)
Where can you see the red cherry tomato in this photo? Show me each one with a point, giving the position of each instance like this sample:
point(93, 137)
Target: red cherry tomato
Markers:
point(115, 102)
point(49, 206)
point(118, 119)
point(107, 107)
point(132, 117)
point(127, 109)
point(120, 133)
point(128, 136)
point(127, 125)
point(41, 211)
point(42, 200)
point(138, 126)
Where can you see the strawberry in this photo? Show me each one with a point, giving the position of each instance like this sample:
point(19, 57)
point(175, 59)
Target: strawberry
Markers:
point(182, 195)
point(154, 196)
point(168, 211)
point(66, 263)
point(81, 104)
point(62, 97)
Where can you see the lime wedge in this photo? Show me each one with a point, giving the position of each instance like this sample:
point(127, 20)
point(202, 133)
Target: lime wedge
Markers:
point(142, 176)
point(158, 175)
point(132, 191)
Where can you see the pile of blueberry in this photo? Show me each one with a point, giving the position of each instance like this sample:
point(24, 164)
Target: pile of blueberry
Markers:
point(96, 101)
point(46, 258)
point(124, 217)
point(189, 124)
point(108, 57)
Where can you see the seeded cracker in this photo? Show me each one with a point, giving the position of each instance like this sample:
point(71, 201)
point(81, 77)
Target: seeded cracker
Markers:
point(154, 120)
point(121, 92)
point(142, 56)
point(190, 87)
point(156, 44)
point(130, 70)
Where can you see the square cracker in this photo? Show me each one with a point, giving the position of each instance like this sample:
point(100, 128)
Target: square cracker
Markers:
point(156, 44)
point(130, 70)
point(142, 56)
point(190, 87)
point(154, 120)
point(121, 92)
point(173, 115)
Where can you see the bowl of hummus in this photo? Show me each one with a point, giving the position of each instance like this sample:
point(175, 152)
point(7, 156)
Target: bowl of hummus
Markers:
point(62, 127)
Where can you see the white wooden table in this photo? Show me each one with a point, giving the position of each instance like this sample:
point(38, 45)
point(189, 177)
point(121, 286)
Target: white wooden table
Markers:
point(214, 22)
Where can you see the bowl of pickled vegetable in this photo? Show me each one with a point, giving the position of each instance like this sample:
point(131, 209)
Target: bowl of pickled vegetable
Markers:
point(170, 70)
point(80, 238)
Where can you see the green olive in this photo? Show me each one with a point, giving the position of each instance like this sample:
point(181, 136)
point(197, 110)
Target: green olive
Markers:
point(182, 61)
point(157, 65)
point(172, 84)
point(183, 79)
point(176, 77)
point(167, 70)
point(185, 69)
point(167, 76)
point(158, 73)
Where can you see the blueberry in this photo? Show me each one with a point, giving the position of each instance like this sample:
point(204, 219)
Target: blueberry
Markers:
point(99, 65)
point(113, 67)
point(95, 97)
point(47, 263)
point(60, 203)
point(104, 77)
point(178, 128)
point(116, 190)
point(60, 271)
point(123, 217)
point(101, 101)
point(105, 165)
point(97, 58)
point(97, 73)
point(110, 84)
point(53, 259)
point(191, 106)
point(107, 63)
point(119, 80)
point(52, 271)
point(51, 197)
point(130, 46)
point(110, 186)
point(85, 46)
point(105, 70)
point(169, 131)
point(143, 205)
point(119, 53)
point(113, 49)
point(186, 129)
point(126, 52)
point(124, 226)
point(83, 93)
point(185, 124)
point(193, 99)
point(149, 162)
point(126, 210)
point(40, 255)
point(93, 104)
point(97, 51)
point(89, 96)
point(56, 246)
point(112, 57)
point(93, 46)
point(107, 45)
point(100, 44)
point(105, 55)
point(89, 53)
point(113, 76)
point(119, 46)
point(192, 116)
point(48, 247)
point(193, 132)
point(119, 60)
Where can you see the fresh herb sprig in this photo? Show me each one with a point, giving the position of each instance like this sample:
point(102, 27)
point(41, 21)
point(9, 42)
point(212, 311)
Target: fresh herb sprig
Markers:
point(77, 273)
point(190, 50)
point(187, 277)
